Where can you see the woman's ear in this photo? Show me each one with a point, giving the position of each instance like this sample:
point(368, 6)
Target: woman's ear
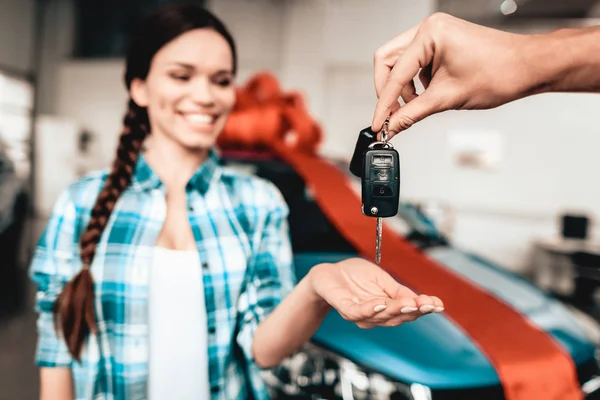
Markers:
point(138, 92)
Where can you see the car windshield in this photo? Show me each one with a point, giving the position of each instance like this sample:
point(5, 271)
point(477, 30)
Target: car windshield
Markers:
point(311, 230)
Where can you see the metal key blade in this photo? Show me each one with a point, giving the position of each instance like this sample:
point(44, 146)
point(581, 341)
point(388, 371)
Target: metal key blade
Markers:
point(378, 240)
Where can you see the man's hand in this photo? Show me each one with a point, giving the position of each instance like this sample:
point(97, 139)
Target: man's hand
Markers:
point(365, 294)
point(461, 65)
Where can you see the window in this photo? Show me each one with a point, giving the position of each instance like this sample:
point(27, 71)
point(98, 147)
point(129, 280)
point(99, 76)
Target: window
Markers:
point(103, 27)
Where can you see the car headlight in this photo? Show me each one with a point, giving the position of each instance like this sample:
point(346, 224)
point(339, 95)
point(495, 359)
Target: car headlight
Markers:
point(315, 373)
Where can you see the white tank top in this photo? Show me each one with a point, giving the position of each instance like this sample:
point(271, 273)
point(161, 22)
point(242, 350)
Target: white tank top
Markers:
point(178, 364)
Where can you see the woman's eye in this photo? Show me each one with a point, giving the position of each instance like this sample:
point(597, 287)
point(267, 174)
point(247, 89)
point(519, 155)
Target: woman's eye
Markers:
point(224, 82)
point(180, 77)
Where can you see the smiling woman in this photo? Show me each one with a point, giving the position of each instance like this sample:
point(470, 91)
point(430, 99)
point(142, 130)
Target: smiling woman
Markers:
point(170, 275)
point(191, 94)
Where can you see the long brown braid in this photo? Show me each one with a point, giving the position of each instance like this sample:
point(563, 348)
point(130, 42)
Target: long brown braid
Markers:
point(74, 308)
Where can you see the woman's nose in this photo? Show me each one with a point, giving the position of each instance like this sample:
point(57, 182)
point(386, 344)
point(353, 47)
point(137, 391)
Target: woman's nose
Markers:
point(201, 92)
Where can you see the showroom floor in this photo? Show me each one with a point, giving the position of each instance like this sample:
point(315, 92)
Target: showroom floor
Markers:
point(18, 375)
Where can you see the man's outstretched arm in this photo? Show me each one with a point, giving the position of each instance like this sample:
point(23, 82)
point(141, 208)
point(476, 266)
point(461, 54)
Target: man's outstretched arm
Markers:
point(468, 66)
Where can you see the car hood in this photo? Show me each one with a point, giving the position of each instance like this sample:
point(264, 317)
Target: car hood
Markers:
point(435, 351)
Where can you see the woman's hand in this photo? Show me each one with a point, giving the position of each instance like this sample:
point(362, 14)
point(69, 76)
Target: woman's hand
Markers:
point(364, 293)
point(359, 290)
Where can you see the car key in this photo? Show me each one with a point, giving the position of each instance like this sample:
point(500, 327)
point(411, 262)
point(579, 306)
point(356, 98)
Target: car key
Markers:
point(380, 181)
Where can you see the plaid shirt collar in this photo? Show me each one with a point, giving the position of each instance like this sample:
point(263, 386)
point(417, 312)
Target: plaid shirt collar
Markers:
point(144, 177)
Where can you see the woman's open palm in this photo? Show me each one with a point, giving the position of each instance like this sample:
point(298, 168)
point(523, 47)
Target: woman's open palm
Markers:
point(364, 293)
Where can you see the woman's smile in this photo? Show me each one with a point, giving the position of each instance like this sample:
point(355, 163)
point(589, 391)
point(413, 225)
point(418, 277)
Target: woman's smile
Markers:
point(199, 121)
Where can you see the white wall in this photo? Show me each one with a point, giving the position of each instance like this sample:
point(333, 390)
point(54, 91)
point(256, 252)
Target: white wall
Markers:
point(325, 49)
point(93, 94)
point(57, 168)
point(550, 156)
point(257, 29)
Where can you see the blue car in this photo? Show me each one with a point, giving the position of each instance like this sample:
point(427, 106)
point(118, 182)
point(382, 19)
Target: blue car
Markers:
point(429, 359)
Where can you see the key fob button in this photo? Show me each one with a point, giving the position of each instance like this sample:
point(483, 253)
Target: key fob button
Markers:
point(381, 190)
point(383, 160)
point(381, 174)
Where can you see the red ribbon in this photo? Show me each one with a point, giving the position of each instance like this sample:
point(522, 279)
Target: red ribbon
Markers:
point(531, 365)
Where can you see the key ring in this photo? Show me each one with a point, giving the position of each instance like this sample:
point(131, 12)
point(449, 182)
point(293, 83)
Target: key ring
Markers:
point(385, 131)
point(384, 137)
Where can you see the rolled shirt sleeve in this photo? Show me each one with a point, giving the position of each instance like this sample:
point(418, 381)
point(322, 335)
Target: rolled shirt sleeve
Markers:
point(51, 267)
point(271, 278)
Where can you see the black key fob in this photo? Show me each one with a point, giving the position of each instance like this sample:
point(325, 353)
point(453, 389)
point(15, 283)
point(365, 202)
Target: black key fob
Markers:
point(380, 180)
point(366, 137)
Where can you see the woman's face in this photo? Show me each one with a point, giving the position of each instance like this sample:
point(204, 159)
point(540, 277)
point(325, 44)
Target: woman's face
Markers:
point(189, 90)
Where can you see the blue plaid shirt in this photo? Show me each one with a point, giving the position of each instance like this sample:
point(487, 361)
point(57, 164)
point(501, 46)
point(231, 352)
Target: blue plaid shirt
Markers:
point(240, 226)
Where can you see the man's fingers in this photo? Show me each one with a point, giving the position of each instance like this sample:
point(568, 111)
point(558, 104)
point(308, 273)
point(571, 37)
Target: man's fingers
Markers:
point(395, 108)
point(387, 55)
point(409, 92)
point(397, 79)
point(382, 68)
point(403, 72)
point(422, 106)
point(425, 76)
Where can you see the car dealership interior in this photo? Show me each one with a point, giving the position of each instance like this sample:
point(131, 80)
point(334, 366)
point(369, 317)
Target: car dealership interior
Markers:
point(495, 210)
